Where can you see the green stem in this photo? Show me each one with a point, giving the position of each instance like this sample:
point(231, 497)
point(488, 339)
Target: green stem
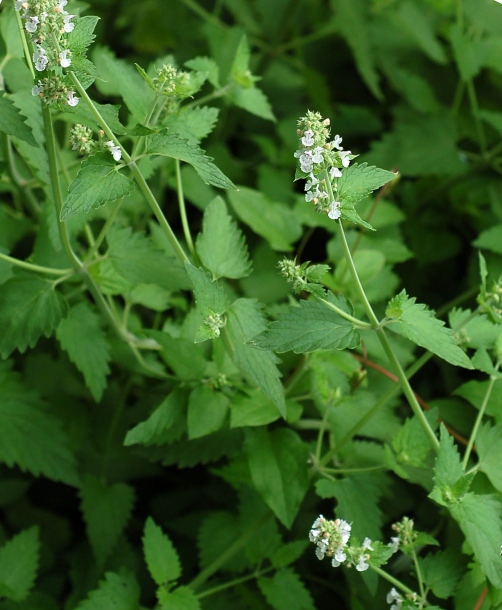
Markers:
point(209, 97)
point(222, 559)
point(475, 111)
point(183, 213)
point(102, 234)
point(138, 176)
point(393, 581)
point(347, 316)
point(32, 267)
point(419, 575)
point(234, 582)
point(479, 418)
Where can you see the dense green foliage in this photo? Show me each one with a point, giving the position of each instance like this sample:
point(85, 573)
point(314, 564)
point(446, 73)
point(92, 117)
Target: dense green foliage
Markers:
point(174, 414)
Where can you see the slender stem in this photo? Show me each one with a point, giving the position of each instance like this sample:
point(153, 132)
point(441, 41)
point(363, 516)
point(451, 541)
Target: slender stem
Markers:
point(419, 575)
point(183, 213)
point(32, 267)
point(234, 582)
point(222, 559)
point(217, 93)
point(393, 581)
point(102, 234)
point(346, 315)
point(403, 381)
point(479, 418)
point(138, 176)
point(475, 111)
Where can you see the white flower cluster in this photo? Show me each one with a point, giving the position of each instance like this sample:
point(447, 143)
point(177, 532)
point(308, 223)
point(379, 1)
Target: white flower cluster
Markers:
point(397, 600)
point(47, 23)
point(320, 161)
point(331, 539)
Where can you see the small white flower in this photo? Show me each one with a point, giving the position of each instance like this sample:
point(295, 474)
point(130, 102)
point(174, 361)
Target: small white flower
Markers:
point(367, 544)
point(72, 99)
point(32, 24)
point(311, 182)
point(334, 172)
point(68, 25)
point(339, 557)
point(38, 88)
point(40, 58)
point(344, 157)
point(394, 544)
point(393, 596)
point(362, 564)
point(19, 5)
point(308, 138)
point(64, 60)
point(317, 156)
point(335, 213)
point(343, 526)
point(337, 140)
point(115, 150)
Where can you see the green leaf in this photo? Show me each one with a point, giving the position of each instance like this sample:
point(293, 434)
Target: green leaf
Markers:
point(209, 295)
point(468, 53)
point(117, 591)
point(412, 444)
point(207, 411)
point(160, 555)
point(182, 598)
point(172, 145)
point(442, 572)
point(106, 510)
point(352, 22)
point(135, 257)
point(278, 463)
point(491, 239)
point(29, 308)
point(221, 245)
point(30, 436)
point(97, 182)
point(447, 471)
point(417, 25)
point(80, 335)
point(252, 100)
point(184, 357)
point(192, 124)
point(288, 553)
point(255, 409)
point(359, 180)
point(479, 518)
point(475, 392)
point(246, 320)
point(218, 531)
point(19, 558)
point(12, 122)
point(310, 326)
point(274, 221)
point(82, 35)
point(285, 591)
point(81, 113)
point(208, 66)
point(489, 449)
point(418, 324)
point(163, 425)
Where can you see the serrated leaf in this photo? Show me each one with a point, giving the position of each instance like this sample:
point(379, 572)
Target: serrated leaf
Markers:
point(117, 591)
point(309, 327)
point(82, 35)
point(274, 221)
point(192, 124)
point(479, 519)
point(278, 463)
point(442, 572)
point(359, 180)
point(29, 308)
point(19, 558)
point(489, 449)
point(252, 100)
point(30, 436)
point(106, 510)
point(80, 335)
point(447, 471)
point(246, 320)
point(172, 145)
point(208, 66)
point(412, 444)
point(285, 591)
point(135, 257)
point(182, 598)
point(207, 411)
point(418, 324)
point(288, 553)
point(183, 356)
point(163, 424)
point(12, 122)
point(217, 533)
point(221, 245)
point(491, 239)
point(160, 555)
point(97, 182)
point(81, 113)
point(209, 295)
point(416, 25)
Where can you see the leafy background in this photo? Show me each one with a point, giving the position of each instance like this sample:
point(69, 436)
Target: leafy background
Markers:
point(106, 470)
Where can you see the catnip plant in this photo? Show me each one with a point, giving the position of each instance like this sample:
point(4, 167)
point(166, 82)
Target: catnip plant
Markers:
point(140, 338)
